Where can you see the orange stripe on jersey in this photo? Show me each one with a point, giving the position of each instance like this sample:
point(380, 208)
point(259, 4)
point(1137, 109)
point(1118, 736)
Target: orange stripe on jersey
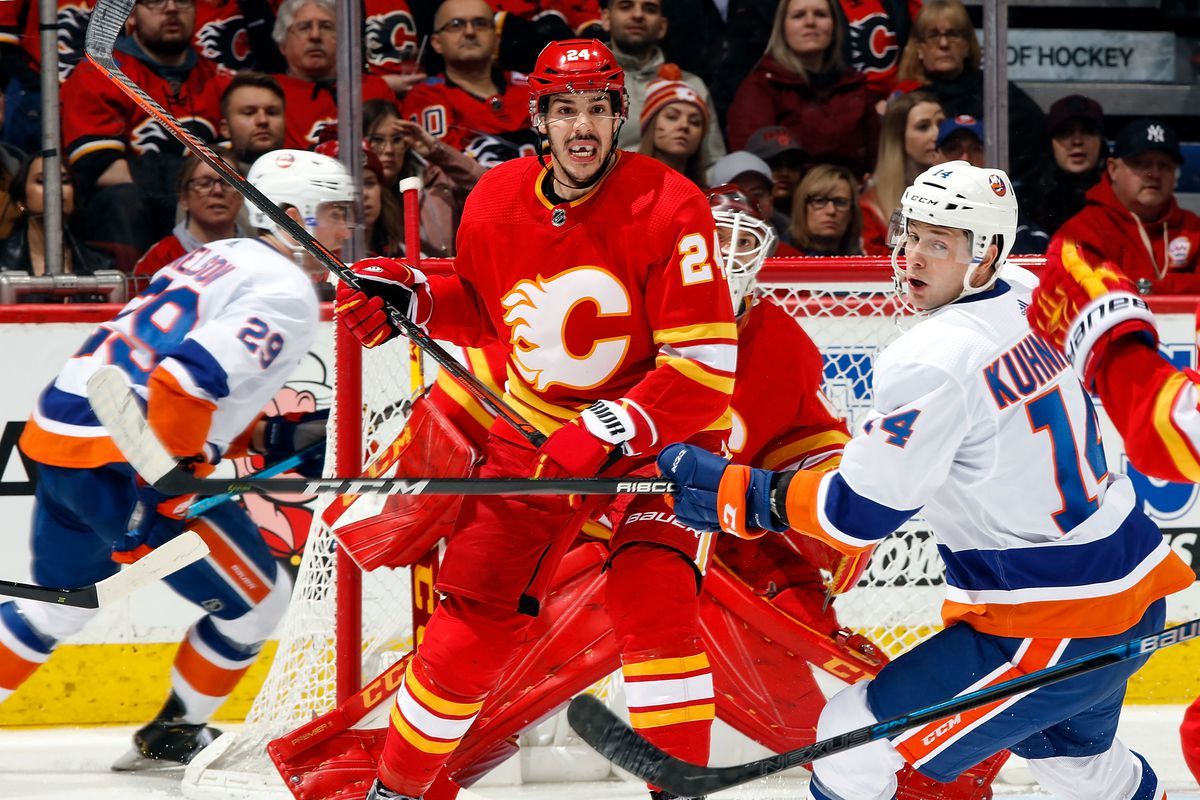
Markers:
point(698, 334)
point(419, 740)
point(180, 420)
point(246, 577)
point(677, 667)
point(1091, 616)
point(920, 744)
point(1177, 443)
point(701, 712)
point(68, 451)
point(797, 451)
point(462, 397)
point(203, 675)
point(802, 512)
point(693, 370)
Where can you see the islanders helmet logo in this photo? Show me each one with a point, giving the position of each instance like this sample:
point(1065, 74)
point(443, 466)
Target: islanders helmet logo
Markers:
point(999, 187)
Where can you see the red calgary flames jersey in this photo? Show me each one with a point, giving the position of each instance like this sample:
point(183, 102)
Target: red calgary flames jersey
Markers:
point(390, 42)
point(614, 295)
point(99, 116)
point(310, 106)
point(462, 119)
point(781, 420)
point(220, 32)
point(578, 14)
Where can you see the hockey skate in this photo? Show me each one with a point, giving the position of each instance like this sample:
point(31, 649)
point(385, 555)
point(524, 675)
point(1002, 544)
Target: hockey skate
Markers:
point(381, 792)
point(166, 742)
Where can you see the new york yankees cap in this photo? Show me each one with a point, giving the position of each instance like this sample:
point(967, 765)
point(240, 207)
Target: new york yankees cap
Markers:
point(1143, 135)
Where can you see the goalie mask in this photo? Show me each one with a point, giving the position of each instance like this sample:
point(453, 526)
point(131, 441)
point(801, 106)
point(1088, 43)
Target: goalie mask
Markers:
point(301, 179)
point(743, 240)
point(980, 201)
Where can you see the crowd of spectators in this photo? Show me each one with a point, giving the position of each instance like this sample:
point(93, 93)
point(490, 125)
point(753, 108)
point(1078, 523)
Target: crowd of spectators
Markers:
point(783, 98)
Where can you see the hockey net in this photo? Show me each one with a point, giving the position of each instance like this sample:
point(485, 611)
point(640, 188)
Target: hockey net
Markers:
point(849, 311)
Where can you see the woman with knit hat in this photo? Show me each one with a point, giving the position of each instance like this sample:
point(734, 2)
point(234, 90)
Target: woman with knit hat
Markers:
point(674, 121)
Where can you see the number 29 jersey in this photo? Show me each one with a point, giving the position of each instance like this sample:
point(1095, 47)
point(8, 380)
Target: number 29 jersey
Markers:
point(984, 428)
point(209, 342)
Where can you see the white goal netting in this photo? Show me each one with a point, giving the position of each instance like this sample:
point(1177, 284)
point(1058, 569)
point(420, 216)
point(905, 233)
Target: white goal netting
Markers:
point(896, 603)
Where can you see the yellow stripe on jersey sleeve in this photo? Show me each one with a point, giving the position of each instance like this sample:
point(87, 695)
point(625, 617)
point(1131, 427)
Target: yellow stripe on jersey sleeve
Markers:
point(693, 371)
point(694, 333)
point(672, 716)
point(791, 452)
point(1175, 443)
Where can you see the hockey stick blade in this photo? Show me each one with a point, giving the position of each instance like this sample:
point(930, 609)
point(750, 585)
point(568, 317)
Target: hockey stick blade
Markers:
point(610, 736)
point(160, 562)
point(119, 410)
point(107, 21)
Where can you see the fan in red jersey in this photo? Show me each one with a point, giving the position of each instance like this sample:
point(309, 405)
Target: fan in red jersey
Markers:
point(595, 270)
point(1090, 309)
point(473, 106)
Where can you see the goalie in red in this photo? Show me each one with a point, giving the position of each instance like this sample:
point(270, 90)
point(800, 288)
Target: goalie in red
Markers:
point(594, 268)
point(1087, 307)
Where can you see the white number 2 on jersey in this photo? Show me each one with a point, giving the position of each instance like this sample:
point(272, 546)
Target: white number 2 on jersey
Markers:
point(694, 263)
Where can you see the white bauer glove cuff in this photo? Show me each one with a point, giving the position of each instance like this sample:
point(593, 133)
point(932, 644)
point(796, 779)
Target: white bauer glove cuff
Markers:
point(622, 423)
point(1101, 316)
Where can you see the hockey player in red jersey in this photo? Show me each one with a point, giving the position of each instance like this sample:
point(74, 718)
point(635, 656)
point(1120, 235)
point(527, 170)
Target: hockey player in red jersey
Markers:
point(1091, 310)
point(595, 269)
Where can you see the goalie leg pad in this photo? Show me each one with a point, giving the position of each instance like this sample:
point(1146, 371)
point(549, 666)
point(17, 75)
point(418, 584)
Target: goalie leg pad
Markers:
point(431, 445)
point(653, 603)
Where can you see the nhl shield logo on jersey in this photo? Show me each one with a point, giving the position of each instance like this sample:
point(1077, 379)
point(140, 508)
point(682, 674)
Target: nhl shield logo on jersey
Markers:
point(539, 313)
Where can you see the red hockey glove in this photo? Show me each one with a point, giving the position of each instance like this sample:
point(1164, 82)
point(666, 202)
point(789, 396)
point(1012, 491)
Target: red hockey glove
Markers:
point(1082, 308)
point(382, 281)
point(581, 448)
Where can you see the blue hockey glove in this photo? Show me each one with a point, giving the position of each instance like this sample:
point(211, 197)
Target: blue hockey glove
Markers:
point(156, 519)
point(716, 495)
point(287, 434)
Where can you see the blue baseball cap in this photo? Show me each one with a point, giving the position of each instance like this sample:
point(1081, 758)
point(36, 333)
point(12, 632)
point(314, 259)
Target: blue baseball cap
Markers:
point(963, 122)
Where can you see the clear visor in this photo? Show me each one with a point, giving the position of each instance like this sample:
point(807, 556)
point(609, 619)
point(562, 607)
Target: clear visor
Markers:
point(917, 239)
point(339, 214)
point(569, 107)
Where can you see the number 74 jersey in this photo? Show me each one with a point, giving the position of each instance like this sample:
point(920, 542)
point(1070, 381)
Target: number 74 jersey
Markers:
point(985, 429)
point(209, 342)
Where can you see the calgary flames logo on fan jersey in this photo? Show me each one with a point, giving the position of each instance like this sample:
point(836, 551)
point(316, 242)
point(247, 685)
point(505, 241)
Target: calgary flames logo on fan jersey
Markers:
point(150, 137)
point(72, 28)
point(873, 43)
point(538, 313)
point(226, 42)
point(391, 39)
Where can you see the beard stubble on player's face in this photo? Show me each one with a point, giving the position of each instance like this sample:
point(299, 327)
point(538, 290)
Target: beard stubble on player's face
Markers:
point(579, 147)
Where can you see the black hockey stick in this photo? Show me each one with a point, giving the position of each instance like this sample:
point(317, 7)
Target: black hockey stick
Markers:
point(119, 410)
point(107, 21)
point(610, 736)
point(158, 563)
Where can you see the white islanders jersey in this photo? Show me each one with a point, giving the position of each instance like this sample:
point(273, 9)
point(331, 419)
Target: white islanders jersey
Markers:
point(985, 429)
point(225, 325)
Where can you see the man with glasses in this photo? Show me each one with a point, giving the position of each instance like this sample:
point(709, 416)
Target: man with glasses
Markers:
point(597, 270)
point(1132, 218)
point(473, 106)
point(307, 35)
point(126, 166)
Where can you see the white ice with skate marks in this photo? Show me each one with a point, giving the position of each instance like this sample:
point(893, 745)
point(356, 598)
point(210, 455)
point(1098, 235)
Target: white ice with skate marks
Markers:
point(61, 763)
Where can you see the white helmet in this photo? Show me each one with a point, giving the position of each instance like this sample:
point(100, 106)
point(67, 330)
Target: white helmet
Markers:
point(298, 178)
point(735, 213)
point(978, 200)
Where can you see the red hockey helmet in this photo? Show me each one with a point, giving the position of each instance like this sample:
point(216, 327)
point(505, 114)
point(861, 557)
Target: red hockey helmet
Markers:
point(576, 65)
